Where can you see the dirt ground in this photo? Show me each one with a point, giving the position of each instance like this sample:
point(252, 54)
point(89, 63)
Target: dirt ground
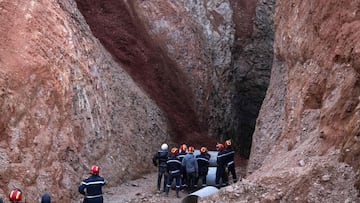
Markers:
point(140, 190)
point(144, 189)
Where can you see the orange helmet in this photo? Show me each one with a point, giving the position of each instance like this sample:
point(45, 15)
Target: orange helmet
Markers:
point(191, 149)
point(203, 150)
point(219, 147)
point(15, 195)
point(95, 169)
point(183, 148)
point(227, 143)
point(174, 151)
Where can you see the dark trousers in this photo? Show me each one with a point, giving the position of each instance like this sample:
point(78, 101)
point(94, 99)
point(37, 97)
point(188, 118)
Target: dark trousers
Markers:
point(183, 180)
point(220, 174)
point(161, 173)
point(177, 183)
point(201, 180)
point(190, 180)
point(94, 200)
point(231, 169)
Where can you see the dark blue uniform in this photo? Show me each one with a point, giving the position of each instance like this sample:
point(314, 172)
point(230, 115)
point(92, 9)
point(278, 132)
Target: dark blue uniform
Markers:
point(220, 170)
point(181, 156)
point(203, 163)
point(174, 169)
point(160, 158)
point(230, 164)
point(45, 198)
point(92, 189)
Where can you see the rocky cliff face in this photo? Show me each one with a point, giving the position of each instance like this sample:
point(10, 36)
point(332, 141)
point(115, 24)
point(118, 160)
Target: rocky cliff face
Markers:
point(307, 130)
point(66, 104)
point(209, 48)
point(106, 82)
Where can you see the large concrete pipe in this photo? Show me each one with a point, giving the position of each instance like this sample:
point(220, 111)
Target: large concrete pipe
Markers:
point(211, 176)
point(206, 191)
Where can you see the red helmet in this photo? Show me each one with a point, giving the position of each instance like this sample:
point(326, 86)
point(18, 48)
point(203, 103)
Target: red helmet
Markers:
point(219, 147)
point(174, 151)
point(191, 149)
point(227, 143)
point(15, 195)
point(95, 169)
point(183, 148)
point(203, 150)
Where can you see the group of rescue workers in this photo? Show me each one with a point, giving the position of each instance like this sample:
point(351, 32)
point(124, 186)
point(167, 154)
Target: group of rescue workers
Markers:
point(190, 171)
point(180, 164)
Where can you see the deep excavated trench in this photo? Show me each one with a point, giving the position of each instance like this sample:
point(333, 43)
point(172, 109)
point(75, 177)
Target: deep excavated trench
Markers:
point(124, 35)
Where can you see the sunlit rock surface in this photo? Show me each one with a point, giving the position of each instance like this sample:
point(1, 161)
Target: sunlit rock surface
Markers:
point(306, 138)
point(66, 104)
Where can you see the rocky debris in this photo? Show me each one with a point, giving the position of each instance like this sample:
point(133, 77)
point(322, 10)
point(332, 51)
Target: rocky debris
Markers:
point(311, 110)
point(66, 102)
point(243, 191)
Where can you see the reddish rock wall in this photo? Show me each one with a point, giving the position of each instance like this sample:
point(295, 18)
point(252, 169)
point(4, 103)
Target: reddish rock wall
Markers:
point(66, 104)
point(308, 123)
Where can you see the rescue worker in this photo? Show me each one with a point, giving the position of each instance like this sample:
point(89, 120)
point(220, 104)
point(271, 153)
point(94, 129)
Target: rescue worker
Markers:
point(159, 159)
point(15, 195)
point(221, 165)
point(182, 153)
point(191, 166)
point(229, 156)
point(46, 198)
point(203, 163)
point(91, 187)
point(174, 170)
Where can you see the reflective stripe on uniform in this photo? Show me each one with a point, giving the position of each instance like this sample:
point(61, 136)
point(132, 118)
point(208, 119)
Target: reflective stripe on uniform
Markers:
point(231, 162)
point(93, 196)
point(204, 159)
point(226, 154)
point(176, 171)
point(93, 183)
point(174, 161)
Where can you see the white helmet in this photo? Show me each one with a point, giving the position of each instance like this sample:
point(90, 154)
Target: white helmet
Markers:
point(164, 147)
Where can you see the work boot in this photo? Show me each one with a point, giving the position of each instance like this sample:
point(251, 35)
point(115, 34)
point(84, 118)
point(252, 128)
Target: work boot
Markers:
point(177, 195)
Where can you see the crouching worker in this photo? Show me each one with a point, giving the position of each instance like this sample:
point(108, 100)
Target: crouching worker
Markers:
point(174, 169)
point(92, 186)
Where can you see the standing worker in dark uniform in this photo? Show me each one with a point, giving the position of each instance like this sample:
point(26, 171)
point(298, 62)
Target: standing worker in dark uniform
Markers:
point(229, 154)
point(203, 163)
point(221, 165)
point(181, 155)
point(160, 158)
point(92, 186)
point(174, 169)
